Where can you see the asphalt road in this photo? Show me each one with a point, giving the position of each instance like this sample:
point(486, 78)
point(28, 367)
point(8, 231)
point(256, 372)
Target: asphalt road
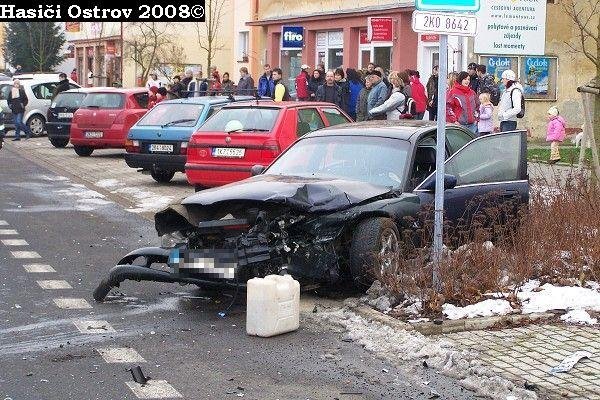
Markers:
point(57, 343)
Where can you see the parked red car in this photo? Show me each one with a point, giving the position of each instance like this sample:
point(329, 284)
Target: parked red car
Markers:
point(242, 135)
point(105, 117)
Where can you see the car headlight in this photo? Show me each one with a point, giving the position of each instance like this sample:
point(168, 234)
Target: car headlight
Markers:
point(172, 239)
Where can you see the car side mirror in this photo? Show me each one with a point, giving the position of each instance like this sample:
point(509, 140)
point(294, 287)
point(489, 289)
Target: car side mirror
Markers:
point(257, 169)
point(449, 183)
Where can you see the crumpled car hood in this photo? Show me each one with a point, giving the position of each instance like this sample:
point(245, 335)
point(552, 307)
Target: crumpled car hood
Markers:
point(303, 194)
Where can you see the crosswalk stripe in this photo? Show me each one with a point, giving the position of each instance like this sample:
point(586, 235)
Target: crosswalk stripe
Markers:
point(8, 232)
point(3, 222)
point(25, 254)
point(54, 284)
point(38, 268)
point(93, 326)
point(120, 355)
point(72, 304)
point(14, 242)
point(154, 389)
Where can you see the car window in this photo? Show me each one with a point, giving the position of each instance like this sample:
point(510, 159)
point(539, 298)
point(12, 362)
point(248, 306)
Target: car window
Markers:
point(72, 86)
point(334, 116)
point(4, 91)
point(43, 91)
point(308, 120)
point(103, 100)
point(213, 110)
point(141, 99)
point(493, 158)
point(70, 100)
point(456, 139)
point(174, 114)
point(242, 119)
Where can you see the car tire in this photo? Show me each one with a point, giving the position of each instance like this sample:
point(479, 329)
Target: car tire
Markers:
point(37, 125)
point(374, 250)
point(59, 142)
point(162, 176)
point(83, 151)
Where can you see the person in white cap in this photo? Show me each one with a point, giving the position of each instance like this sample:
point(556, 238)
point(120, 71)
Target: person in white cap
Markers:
point(302, 93)
point(555, 133)
point(511, 102)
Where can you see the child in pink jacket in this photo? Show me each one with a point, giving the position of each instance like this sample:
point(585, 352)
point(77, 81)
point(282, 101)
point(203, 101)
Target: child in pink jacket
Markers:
point(555, 133)
point(485, 126)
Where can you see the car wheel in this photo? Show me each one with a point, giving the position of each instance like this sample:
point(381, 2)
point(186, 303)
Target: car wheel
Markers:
point(59, 142)
point(37, 125)
point(83, 151)
point(161, 176)
point(374, 250)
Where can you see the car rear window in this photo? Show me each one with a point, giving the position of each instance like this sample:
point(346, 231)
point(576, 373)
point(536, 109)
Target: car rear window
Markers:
point(175, 114)
point(103, 100)
point(142, 99)
point(242, 119)
point(69, 100)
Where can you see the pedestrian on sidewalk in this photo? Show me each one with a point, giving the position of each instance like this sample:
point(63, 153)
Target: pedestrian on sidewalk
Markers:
point(302, 93)
point(355, 84)
point(362, 113)
point(74, 76)
point(227, 86)
point(280, 90)
point(245, 86)
point(510, 102)
point(178, 88)
point(555, 133)
point(153, 81)
point(461, 104)
point(418, 93)
point(485, 126)
point(215, 83)
point(198, 86)
point(377, 95)
point(330, 92)
point(395, 105)
point(340, 80)
point(265, 82)
point(432, 96)
point(17, 101)
point(62, 85)
point(316, 80)
point(189, 73)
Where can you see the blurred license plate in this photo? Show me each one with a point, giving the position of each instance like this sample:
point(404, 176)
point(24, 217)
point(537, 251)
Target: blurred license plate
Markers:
point(228, 152)
point(161, 148)
point(94, 134)
point(65, 115)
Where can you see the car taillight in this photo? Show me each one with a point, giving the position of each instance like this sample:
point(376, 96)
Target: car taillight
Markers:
point(183, 148)
point(270, 149)
point(132, 146)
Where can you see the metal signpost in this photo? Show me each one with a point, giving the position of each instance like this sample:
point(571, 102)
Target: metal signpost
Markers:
point(427, 19)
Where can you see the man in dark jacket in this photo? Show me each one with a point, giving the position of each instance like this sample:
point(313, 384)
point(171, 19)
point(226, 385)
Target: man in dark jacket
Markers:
point(280, 91)
point(246, 85)
point(265, 82)
point(330, 92)
point(185, 82)
point(17, 101)
point(432, 94)
point(62, 85)
point(472, 70)
point(198, 86)
point(178, 89)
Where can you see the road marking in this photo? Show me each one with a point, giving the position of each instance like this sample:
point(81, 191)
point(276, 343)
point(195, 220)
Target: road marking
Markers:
point(25, 254)
point(154, 390)
point(72, 304)
point(93, 326)
point(38, 268)
point(54, 284)
point(14, 242)
point(3, 223)
point(8, 232)
point(120, 355)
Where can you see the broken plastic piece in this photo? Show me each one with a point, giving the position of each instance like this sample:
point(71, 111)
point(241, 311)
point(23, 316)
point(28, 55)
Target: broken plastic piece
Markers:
point(222, 314)
point(138, 375)
point(568, 363)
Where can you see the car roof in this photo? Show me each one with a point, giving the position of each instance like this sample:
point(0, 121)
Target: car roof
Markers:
point(109, 89)
point(281, 104)
point(208, 100)
point(81, 90)
point(405, 129)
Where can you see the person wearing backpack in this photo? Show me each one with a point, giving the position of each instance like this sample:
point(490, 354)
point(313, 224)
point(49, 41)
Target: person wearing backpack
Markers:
point(555, 133)
point(512, 102)
point(393, 106)
point(487, 84)
point(419, 94)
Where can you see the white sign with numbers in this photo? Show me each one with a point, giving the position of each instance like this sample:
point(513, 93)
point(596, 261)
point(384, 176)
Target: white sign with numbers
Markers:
point(444, 23)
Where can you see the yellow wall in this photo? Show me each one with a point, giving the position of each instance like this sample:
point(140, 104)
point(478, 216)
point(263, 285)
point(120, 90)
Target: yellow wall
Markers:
point(1, 45)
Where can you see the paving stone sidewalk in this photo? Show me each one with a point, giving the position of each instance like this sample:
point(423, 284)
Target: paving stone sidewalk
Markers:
point(528, 353)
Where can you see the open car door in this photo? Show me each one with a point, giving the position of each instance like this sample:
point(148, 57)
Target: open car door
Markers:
point(489, 170)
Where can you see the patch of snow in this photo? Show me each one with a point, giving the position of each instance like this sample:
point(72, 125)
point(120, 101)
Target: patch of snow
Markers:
point(530, 286)
point(146, 201)
point(559, 298)
point(107, 183)
point(593, 285)
point(414, 321)
point(485, 308)
point(53, 178)
point(84, 198)
point(579, 317)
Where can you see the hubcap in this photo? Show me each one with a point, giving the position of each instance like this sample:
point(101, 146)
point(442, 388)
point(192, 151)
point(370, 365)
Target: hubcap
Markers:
point(388, 253)
point(37, 126)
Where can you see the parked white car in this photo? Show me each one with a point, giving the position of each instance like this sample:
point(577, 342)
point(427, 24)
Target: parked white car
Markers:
point(39, 89)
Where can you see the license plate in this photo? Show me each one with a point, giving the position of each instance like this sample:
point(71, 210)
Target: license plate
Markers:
point(165, 148)
point(94, 134)
point(228, 152)
point(216, 263)
point(65, 115)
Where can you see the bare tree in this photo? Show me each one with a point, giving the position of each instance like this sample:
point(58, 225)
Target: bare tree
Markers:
point(208, 31)
point(169, 59)
point(146, 43)
point(586, 16)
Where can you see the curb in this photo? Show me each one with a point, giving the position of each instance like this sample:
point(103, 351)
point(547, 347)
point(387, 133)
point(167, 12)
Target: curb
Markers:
point(450, 326)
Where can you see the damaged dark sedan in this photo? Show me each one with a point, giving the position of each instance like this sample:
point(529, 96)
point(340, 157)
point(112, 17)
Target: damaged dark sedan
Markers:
point(328, 210)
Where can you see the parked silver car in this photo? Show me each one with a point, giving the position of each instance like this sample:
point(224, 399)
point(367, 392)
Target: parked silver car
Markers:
point(39, 89)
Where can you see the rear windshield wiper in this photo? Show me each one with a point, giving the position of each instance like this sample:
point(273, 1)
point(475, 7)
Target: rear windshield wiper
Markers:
point(92, 106)
point(253, 130)
point(178, 121)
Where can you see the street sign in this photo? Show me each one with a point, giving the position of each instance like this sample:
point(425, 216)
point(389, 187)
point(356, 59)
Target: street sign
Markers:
point(444, 23)
point(448, 5)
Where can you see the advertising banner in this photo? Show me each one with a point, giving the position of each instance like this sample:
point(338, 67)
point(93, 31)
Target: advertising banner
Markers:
point(380, 29)
point(537, 71)
point(292, 38)
point(497, 65)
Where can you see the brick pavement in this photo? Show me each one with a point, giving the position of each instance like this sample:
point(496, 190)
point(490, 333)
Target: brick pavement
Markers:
point(528, 353)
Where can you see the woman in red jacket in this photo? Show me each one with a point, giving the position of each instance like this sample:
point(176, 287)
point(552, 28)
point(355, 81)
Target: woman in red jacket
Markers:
point(461, 103)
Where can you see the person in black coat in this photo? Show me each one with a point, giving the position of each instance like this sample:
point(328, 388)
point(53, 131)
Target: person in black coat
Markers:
point(17, 101)
point(178, 88)
point(314, 82)
point(62, 85)
point(330, 92)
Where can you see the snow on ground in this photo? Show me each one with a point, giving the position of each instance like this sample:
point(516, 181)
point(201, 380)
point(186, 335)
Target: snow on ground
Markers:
point(485, 308)
point(107, 183)
point(579, 316)
point(146, 201)
point(410, 349)
point(552, 297)
point(84, 198)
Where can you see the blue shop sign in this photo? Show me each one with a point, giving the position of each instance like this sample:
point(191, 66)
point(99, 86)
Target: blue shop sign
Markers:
point(292, 38)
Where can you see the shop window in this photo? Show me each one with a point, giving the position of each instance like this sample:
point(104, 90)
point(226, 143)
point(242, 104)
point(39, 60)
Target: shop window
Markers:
point(243, 45)
point(383, 57)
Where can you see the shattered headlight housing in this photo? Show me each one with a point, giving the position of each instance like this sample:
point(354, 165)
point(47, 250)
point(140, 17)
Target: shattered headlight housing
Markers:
point(172, 239)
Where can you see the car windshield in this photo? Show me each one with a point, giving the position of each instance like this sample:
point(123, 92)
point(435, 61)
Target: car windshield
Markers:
point(103, 100)
point(70, 100)
point(172, 114)
point(242, 119)
point(376, 160)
